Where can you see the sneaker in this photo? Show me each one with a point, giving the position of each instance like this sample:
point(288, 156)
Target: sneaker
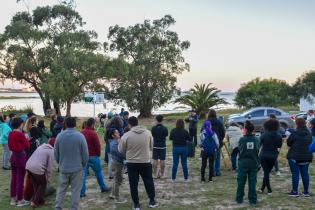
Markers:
point(152, 204)
point(112, 197)
point(13, 202)
point(136, 207)
point(120, 200)
point(6, 168)
point(210, 181)
point(108, 189)
point(218, 174)
point(260, 191)
point(269, 193)
point(162, 176)
point(294, 194)
point(306, 194)
point(186, 180)
point(278, 173)
point(173, 181)
point(22, 203)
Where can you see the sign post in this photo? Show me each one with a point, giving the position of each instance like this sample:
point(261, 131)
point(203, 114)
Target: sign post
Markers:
point(94, 97)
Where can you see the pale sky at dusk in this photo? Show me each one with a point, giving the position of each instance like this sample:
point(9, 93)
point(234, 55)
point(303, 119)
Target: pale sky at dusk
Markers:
point(231, 41)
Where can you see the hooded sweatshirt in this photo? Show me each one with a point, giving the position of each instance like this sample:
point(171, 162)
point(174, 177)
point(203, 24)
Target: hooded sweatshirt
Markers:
point(137, 145)
point(41, 162)
point(4, 132)
point(298, 143)
point(233, 135)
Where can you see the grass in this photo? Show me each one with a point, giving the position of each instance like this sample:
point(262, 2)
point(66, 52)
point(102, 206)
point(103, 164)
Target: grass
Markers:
point(181, 195)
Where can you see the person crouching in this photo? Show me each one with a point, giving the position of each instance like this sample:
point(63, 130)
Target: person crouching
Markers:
point(39, 169)
point(248, 163)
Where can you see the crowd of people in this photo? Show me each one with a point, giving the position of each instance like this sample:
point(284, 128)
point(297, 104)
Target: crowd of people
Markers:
point(29, 151)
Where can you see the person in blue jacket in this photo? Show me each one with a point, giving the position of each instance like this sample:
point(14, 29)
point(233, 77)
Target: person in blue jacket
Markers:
point(4, 133)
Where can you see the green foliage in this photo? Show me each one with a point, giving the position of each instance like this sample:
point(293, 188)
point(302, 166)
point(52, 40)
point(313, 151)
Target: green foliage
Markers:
point(12, 109)
point(201, 98)
point(266, 92)
point(304, 86)
point(153, 56)
point(49, 50)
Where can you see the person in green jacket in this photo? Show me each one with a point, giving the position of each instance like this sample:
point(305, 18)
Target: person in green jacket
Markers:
point(248, 163)
point(4, 133)
point(44, 131)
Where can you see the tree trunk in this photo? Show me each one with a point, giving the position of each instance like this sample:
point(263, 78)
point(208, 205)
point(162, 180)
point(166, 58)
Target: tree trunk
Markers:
point(45, 99)
point(57, 107)
point(68, 111)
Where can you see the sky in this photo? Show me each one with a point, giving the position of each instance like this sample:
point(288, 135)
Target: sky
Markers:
point(232, 41)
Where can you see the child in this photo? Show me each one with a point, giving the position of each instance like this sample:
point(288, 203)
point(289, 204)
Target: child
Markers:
point(248, 164)
point(209, 145)
point(117, 165)
point(17, 144)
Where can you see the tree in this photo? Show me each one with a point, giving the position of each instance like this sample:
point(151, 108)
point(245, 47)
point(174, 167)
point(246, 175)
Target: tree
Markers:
point(266, 92)
point(201, 98)
point(50, 51)
point(154, 56)
point(304, 86)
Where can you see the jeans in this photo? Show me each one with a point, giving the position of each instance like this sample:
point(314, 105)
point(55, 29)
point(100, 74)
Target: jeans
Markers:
point(234, 158)
point(296, 170)
point(217, 163)
point(145, 171)
point(267, 164)
point(205, 159)
point(95, 164)
point(6, 156)
point(65, 180)
point(181, 152)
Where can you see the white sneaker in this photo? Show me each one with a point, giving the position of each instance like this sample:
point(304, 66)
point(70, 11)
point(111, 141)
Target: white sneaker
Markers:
point(23, 203)
point(278, 173)
point(13, 202)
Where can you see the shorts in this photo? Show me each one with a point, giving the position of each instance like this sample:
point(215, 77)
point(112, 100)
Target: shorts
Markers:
point(159, 154)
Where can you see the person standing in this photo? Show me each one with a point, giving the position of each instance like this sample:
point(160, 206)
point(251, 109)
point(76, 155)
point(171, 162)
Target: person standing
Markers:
point(180, 137)
point(39, 169)
point(117, 165)
point(137, 145)
point(44, 132)
point(193, 122)
point(299, 157)
point(72, 155)
point(159, 133)
point(33, 133)
point(233, 136)
point(94, 161)
point(209, 144)
point(4, 133)
point(248, 163)
point(271, 142)
point(125, 120)
point(52, 123)
point(218, 128)
point(18, 143)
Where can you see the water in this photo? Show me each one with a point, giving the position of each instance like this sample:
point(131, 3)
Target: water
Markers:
point(81, 109)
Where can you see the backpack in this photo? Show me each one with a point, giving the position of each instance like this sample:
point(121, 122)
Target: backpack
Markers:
point(209, 146)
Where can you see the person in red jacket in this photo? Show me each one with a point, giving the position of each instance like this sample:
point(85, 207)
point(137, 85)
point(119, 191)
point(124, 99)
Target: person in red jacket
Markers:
point(94, 147)
point(18, 143)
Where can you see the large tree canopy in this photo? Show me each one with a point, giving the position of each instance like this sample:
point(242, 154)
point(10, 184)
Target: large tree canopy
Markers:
point(50, 51)
point(304, 86)
point(154, 57)
point(266, 92)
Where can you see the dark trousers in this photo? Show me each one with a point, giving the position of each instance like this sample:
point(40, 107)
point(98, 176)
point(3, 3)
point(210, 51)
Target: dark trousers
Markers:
point(276, 165)
point(234, 158)
point(39, 183)
point(193, 135)
point(204, 160)
point(267, 163)
point(145, 171)
point(243, 174)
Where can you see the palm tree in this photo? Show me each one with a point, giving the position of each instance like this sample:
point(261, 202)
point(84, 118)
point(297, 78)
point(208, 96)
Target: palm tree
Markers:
point(201, 98)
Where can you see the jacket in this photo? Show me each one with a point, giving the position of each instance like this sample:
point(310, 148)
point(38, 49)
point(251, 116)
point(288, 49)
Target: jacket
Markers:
point(4, 132)
point(159, 133)
point(193, 121)
point(218, 128)
point(179, 137)
point(137, 145)
point(270, 142)
point(298, 143)
point(233, 135)
point(115, 154)
point(249, 149)
point(92, 141)
point(41, 162)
